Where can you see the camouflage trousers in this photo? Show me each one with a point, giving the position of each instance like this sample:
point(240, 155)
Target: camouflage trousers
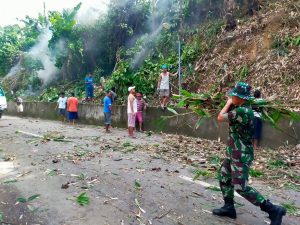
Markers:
point(234, 175)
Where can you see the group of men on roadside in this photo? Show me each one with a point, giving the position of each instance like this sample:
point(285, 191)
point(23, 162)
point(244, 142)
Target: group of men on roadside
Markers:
point(135, 102)
point(135, 109)
point(67, 107)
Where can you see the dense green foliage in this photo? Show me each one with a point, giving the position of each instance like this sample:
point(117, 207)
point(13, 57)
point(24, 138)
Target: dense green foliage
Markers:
point(64, 33)
point(14, 40)
point(127, 44)
point(130, 41)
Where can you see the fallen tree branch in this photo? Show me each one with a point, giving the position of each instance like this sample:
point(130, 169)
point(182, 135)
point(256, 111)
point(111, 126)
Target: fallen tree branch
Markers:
point(163, 215)
point(43, 137)
point(29, 134)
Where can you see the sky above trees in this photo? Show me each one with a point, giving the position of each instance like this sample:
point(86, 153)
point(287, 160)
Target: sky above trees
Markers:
point(10, 10)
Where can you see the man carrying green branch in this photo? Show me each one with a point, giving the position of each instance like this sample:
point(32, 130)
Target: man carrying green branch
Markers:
point(234, 171)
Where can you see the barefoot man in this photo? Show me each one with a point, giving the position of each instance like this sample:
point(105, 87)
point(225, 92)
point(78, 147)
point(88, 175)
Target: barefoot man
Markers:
point(131, 111)
point(107, 110)
point(164, 86)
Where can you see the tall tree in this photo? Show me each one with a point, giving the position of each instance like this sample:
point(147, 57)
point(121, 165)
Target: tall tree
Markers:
point(66, 43)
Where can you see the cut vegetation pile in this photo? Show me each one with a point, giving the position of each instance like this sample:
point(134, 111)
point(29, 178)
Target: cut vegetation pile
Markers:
point(279, 167)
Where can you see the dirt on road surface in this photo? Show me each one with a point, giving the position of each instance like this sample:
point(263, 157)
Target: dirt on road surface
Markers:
point(125, 181)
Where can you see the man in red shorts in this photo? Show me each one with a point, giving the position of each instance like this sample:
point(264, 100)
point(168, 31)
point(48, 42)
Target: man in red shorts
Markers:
point(72, 106)
point(141, 106)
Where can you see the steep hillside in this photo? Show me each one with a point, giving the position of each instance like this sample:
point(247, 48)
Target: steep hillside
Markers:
point(263, 50)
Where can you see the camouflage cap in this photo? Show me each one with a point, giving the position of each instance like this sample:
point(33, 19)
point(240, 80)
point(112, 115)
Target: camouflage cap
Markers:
point(241, 90)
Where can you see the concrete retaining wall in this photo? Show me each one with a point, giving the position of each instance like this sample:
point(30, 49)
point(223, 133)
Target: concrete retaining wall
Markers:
point(210, 128)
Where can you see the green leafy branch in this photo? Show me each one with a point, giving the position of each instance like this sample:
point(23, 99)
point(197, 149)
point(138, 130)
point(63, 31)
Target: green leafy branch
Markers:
point(206, 106)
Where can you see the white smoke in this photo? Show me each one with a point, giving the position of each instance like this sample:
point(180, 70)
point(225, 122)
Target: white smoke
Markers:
point(41, 52)
point(14, 70)
point(91, 11)
point(146, 39)
point(156, 23)
point(88, 16)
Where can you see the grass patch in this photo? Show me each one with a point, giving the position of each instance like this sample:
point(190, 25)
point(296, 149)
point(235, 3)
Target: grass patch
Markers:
point(211, 32)
point(214, 188)
point(275, 164)
point(242, 72)
point(292, 186)
point(295, 176)
point(255, 173)
point(279, 46)
point(291, 208)
point(202, 173)
point(215, 160)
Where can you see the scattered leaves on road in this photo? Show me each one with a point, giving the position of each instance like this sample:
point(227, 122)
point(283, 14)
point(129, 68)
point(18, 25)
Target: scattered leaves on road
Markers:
point(83, 199)
point(137, 185)
point(27, 200)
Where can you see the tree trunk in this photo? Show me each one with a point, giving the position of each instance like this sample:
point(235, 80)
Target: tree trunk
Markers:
point(64, 71)
point(253, 7)
point(229, 6)
point(230, 22)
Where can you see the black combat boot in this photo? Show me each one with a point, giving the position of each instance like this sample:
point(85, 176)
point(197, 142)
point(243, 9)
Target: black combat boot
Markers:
point(227, 210)
point(275, 212)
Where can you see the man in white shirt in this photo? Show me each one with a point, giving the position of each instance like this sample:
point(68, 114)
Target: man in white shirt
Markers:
point(62, 106)
point(131, 111)
point(164, 86)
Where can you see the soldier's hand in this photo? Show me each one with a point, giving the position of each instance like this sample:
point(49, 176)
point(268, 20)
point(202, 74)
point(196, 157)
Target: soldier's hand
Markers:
point(229, 101)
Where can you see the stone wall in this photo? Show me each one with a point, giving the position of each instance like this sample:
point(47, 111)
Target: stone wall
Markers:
point(210, 128)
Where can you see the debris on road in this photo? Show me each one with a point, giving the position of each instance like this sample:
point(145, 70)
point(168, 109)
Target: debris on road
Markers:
point(54, 136)
point(65, 186)
point(138, 205)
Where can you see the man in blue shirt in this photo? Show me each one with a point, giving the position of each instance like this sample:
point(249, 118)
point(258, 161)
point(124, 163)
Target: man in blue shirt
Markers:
point(89, 86)
point(107, 110)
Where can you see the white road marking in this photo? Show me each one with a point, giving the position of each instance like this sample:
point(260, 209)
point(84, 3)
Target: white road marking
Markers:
point(202, 183)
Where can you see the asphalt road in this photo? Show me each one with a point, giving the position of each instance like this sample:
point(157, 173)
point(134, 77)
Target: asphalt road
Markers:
point(125, 181)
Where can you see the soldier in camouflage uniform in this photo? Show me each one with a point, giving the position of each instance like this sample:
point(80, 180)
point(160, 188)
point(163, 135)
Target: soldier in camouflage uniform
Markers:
point(234, 171)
